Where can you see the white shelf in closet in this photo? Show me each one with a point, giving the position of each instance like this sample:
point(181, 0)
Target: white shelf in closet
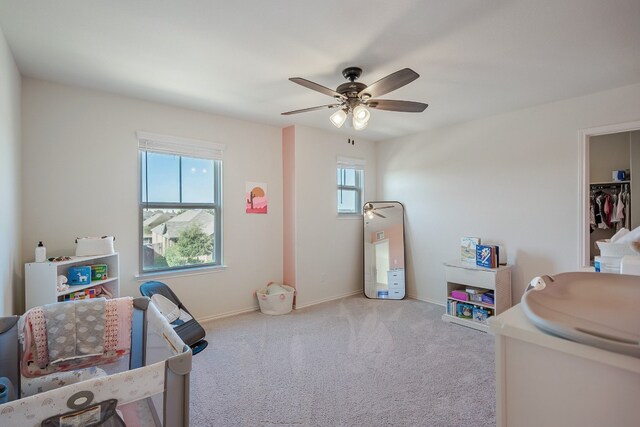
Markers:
point(460, 276)
point(610, 183)
point(41, 278)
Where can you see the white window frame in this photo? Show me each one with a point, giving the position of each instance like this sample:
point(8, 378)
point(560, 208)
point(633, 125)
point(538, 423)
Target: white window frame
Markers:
point(183, 147)
point(357, 165)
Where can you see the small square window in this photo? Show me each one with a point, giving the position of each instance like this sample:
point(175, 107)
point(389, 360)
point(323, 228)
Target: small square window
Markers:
point(350, 190)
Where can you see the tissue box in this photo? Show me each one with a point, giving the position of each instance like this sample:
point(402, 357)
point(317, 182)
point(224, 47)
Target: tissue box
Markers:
point(79, 275)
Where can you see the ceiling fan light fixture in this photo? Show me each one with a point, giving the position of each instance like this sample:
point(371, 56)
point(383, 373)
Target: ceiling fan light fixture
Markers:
point(359, 125)
point(361, 114)
point(338, 118)
point(355, 98)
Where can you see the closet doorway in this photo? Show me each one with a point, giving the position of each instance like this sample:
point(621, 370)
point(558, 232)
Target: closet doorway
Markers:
point(382, 261)
point(609, 201)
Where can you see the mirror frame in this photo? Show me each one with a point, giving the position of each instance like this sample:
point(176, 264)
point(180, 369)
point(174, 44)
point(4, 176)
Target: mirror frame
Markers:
point(404, 251)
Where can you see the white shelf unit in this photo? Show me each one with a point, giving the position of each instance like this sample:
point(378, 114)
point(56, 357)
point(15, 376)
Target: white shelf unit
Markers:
point(41, 278)
point(460, 276)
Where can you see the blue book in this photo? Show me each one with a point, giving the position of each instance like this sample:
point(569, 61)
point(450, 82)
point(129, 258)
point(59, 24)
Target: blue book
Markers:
point(487, 256)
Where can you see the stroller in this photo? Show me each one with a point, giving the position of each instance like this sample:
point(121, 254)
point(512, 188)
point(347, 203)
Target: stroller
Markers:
point(187, 328)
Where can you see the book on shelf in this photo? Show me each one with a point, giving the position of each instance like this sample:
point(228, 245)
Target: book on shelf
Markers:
point(481, 314)
point(487, 256)
point(452, 307)
point(468, 250)
point(464, 310)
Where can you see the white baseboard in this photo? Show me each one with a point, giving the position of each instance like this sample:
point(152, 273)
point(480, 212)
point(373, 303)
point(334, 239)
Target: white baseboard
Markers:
point(347, 294)
point(206, 319)
point(426, 300)
point(227, 314)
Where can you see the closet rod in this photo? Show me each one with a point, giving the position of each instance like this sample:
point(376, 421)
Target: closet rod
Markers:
point(603, 187)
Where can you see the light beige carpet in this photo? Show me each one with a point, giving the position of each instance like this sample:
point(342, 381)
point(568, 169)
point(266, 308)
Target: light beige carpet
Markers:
point(350, 362)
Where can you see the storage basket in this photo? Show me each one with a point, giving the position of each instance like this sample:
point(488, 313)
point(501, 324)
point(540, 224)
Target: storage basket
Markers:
point(88, 246)
point(617, 250)
point(275, 298)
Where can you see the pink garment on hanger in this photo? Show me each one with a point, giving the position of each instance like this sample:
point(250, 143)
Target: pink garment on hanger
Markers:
point(620, 208)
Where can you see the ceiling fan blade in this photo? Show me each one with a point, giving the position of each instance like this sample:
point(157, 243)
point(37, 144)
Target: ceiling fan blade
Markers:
point(318, 88)
point(304, 110)
point(391, 105)
point(384, 207)
point(391, 82)
point(380, 215)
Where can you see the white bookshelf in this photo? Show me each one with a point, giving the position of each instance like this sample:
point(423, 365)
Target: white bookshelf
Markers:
point(460, 276)
point(41, 278)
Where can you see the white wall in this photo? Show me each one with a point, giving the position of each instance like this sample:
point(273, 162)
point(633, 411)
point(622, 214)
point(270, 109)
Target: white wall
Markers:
point(80, 178)
point(511, 179)
point(10, 262)
point(328, 249)
point(608, 153)
point(634, 141)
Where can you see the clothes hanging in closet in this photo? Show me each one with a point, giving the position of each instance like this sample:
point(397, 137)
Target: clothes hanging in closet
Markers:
point(609, 208)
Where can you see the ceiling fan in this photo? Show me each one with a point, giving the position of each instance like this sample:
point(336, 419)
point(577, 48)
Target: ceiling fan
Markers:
point(355, 98)
point(370, 210)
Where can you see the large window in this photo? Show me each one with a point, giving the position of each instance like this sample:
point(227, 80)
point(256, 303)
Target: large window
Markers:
point(180, 207)
point(350, 177)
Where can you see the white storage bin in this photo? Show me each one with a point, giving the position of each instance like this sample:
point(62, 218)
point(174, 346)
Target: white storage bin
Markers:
point(276, 298)
point(617, 250)
point(88, 246)
point(607, 264)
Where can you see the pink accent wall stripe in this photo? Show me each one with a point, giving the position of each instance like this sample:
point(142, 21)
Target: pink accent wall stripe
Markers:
point(289, 200)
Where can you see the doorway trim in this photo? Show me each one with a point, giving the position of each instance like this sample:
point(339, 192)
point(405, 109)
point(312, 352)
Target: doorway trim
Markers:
point(583, 193)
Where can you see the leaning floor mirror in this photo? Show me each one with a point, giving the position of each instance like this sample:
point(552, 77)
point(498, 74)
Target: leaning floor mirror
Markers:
point(384, 250)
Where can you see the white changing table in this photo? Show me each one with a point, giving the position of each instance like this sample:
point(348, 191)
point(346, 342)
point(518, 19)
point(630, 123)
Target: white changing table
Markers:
point(543, 380)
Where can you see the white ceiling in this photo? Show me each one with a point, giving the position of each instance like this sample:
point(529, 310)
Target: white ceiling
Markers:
point(475, 57)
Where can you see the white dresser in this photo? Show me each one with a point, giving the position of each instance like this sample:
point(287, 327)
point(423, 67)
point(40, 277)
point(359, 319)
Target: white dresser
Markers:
point(543, 380)
point(396, 283)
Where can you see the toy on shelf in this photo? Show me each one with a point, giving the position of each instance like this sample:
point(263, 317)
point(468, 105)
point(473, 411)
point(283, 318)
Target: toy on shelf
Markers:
point(61, 284)
point(59, 259)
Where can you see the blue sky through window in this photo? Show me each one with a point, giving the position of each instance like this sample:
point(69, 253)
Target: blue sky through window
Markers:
point(162, 175)
point(197, 180)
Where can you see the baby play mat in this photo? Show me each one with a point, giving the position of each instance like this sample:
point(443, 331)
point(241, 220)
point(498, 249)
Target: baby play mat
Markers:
point(597, 309)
